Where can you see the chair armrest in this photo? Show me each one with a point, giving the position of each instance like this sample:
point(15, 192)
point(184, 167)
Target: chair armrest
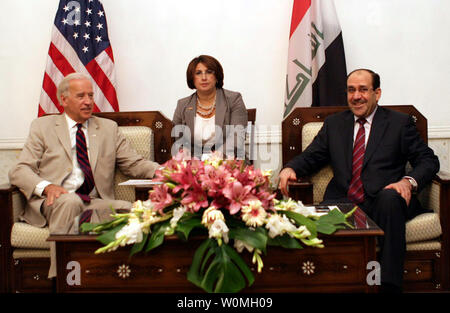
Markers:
point(6, 222)
point(443, 179)
point(7, 212)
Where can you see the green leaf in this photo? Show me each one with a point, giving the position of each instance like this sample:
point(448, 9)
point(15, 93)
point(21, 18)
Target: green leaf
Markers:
point(186, 224)
point(256, 238)
point(284, 241)
point(329, 223)
point(87, 227)
point(301, 220)
point(240, 263)
point(137, 247)
point(334, 217)
point(325, 228)
point(157, 236)
point(226, 272)
point(224, 275)
point(194, 274)
point(110, 236)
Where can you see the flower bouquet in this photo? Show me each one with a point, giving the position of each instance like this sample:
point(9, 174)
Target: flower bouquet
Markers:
point(235, 208)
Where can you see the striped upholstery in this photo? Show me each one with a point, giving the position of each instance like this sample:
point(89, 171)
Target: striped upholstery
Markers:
point(419, 231)
point(25, 236)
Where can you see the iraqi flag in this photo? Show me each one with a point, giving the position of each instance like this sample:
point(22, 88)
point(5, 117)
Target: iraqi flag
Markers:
point(316, 74)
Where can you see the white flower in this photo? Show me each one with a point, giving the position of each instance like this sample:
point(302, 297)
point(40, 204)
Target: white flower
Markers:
point(278, 225)
point(177, 214)
point(297, 207)
point(301, 232)
point(211, 215)
point(239, 245)
point(254, 214)
point(132, 232)
point(306, 211)
point(219, 230)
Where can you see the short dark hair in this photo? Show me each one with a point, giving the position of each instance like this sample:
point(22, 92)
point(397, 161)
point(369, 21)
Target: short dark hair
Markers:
point(375, 77)
point(211, 63)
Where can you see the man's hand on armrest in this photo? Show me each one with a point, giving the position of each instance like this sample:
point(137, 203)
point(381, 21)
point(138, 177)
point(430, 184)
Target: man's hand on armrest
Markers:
point(286, 175)
point(53, 192)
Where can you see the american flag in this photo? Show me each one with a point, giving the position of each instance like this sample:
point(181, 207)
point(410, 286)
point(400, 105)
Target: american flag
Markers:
point(80, 43)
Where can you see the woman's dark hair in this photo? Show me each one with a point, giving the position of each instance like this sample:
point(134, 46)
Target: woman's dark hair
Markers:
point(211, 63)
point(375, 77)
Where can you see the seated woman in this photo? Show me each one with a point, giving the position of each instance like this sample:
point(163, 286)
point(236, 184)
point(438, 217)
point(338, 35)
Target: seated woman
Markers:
point(212, 118)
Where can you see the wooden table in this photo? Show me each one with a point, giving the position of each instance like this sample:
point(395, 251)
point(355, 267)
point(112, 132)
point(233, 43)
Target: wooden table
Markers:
point(339, 267)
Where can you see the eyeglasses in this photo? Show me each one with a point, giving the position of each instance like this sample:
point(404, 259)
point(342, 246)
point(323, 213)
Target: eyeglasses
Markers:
point(362, 90)
point(207, 73)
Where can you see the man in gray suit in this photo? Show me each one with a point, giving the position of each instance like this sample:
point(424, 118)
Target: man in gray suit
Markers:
point(51, 176)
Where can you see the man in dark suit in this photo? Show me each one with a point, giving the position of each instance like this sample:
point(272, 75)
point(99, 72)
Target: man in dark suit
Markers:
point(368, 147)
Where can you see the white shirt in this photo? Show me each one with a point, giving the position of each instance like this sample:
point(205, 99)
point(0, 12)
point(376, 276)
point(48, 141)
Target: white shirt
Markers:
point(205, 131)
point(367, 127)
point(75, 179)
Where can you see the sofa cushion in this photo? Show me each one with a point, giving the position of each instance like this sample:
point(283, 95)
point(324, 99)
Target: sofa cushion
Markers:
point(424, 246)
point(31, 253)
point(24, 235)
point(141, 139)
point(423, 227)
point(320, 179)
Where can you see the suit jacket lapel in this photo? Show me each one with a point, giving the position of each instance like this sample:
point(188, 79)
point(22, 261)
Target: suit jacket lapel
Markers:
point(221, 108)
point(379, 126)
point(190, 112)
point(94, 135)
point(62, 132)
point(348, 127)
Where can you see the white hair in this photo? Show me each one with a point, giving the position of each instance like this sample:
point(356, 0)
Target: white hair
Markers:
point(63, 87)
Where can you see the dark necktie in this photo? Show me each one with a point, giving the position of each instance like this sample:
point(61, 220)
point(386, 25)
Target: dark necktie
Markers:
point(83, 160)
point(356, 190)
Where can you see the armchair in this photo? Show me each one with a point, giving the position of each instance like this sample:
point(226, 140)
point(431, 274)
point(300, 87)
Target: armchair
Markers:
point(427, 235)
point(24, 250)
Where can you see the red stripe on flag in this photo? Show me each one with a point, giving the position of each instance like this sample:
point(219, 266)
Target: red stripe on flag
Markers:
point(40, 111)
point(50, 88)
point(95, 109)
point(298, 11)
point(110, 53)
point(103, 83)
point(60, 61)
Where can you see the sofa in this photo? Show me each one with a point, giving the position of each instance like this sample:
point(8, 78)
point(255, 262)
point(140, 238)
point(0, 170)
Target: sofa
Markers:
point(427, 235)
